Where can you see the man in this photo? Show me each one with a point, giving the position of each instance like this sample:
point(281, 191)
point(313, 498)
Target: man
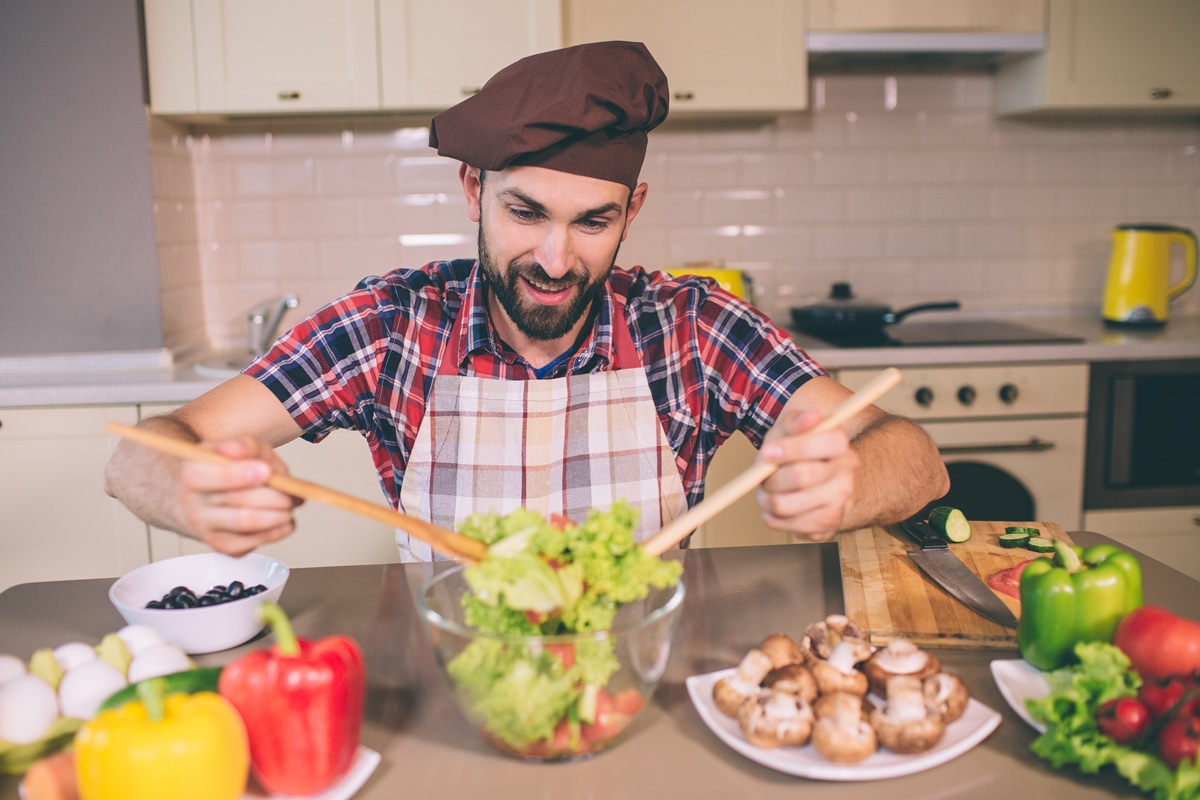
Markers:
point(540, 375)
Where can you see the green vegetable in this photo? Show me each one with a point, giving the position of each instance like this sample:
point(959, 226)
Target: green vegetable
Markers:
point(1075, 596)
point(1013, 539)
point(203, 679)
point(1072, 736)
point(1040, 544)
point(951, 523)
point(539, 581)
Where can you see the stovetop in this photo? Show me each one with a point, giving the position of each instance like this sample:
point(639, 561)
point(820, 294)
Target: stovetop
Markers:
point(934, 334)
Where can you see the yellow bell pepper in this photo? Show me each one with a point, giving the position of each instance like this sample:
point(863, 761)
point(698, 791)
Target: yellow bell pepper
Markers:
point(178, 746)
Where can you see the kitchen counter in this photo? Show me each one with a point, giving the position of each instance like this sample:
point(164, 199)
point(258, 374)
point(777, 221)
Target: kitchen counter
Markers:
point(735, 596)
point(108, 379)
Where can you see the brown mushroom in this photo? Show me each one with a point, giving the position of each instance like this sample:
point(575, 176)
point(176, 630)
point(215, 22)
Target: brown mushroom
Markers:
point(833, 703)
point(729, 692)
point(839, 673)
point(820, 638)
point(898, 657)
point(946, 694)
point(796, 679)
point(844, 736)
point(776, 719)
point(782, 650)
point(906, 724)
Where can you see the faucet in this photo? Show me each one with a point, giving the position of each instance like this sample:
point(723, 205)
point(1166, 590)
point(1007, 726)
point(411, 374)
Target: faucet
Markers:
point(263, 328)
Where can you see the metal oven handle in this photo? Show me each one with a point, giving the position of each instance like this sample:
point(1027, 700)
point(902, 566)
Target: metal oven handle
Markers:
point(1034, 445)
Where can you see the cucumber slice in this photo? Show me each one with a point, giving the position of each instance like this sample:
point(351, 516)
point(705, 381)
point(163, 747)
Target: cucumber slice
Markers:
point(1014, 539)
point(1023, 529)
point(1040, 544)
point(951, 523)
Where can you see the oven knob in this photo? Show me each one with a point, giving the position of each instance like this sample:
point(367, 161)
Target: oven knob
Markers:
point(924, 397)
point(966, 395)
point(1008, 393)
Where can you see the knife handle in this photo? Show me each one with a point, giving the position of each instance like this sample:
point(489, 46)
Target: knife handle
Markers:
point(920, 532)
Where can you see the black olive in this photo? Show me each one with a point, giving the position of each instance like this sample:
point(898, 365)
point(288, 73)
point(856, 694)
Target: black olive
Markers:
point(208, 600)
point(236, 589)
point(155, 604)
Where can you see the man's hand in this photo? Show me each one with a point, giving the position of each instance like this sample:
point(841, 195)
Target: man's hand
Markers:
point(809, 492)
point(229, 506)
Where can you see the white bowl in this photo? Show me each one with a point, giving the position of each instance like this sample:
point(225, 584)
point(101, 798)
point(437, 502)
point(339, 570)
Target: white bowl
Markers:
point(205, 629)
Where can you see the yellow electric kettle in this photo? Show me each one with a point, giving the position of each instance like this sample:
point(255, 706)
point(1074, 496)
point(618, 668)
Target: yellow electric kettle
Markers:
point(1139, 275)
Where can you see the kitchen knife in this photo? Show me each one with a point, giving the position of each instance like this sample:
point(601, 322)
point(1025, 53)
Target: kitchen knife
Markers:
point(948, 571)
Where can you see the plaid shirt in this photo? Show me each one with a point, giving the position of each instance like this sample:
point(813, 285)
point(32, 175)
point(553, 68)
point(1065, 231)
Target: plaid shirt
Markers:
point(367, 361)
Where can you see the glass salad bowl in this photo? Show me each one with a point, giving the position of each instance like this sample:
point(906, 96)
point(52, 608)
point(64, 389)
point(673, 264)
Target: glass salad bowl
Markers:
point(551, 698)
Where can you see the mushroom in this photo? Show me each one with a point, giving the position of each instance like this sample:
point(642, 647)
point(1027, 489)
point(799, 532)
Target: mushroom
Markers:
point(833, 703)
point(820, 638)
point(899, 657)
point(729, 692)
point(946, 694)
point(776, 719)
point(843, 736)
point(838, 673)
point(782, 650)
point(795, 679)
point(905, 724)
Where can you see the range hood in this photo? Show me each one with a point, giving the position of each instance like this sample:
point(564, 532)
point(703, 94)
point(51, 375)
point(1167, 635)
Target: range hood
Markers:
point(848, 47)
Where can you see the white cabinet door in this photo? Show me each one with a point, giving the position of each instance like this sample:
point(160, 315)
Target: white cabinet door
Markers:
point(57, 522)
point(262, 56)
point(744, 56)
point(433, 55)
point(1016, 16)
point(324, 536)
point(1170, 535)
point(1109, 55)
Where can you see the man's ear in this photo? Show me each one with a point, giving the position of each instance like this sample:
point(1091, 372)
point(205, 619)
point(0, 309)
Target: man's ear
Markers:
point(472, 188)
point(636, 199)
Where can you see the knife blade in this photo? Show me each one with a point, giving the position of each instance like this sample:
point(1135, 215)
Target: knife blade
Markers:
point(949, 572)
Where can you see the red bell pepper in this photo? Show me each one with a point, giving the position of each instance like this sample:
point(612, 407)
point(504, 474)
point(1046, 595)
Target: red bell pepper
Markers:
point(302, 702)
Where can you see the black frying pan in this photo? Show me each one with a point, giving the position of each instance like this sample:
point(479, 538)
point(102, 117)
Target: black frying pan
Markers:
point(842, 313)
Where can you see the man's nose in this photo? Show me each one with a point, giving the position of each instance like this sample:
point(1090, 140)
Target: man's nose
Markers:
point(554, 253)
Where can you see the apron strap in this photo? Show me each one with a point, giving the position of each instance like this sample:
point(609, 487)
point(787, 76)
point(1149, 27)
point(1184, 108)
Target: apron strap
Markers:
point(625, 354)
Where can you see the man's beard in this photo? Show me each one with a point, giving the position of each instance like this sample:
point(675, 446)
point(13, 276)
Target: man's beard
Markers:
point(535, 320)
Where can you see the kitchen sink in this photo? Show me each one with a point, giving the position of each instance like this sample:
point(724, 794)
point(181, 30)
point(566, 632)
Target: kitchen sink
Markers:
point(223, 366)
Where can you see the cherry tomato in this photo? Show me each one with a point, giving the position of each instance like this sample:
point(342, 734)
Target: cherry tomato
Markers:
point(629, 702)
point(1161, 694)
point(1179, 740)
point(1123, 720)
point(607, 723)
point(564, 652)
point(1158, 643)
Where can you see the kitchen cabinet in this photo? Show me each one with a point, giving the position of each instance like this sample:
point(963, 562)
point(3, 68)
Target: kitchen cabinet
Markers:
point(432, 55)
point(1109, 55)
point(261, 56)
point(1169, 534)
point(324, 536)
point(718, 56)
point(1015, 16)
point(58, 523)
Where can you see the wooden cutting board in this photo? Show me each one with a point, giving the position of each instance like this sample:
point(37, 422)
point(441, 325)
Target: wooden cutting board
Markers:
point(889, 597)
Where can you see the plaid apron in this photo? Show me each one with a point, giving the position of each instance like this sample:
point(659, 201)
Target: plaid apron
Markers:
point(560, 445)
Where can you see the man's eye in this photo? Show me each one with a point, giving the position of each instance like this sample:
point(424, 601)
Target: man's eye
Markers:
point(524, 214)
point(594, 225)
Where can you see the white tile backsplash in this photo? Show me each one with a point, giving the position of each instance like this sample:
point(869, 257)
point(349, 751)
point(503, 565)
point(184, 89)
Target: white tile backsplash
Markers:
point(907, 185)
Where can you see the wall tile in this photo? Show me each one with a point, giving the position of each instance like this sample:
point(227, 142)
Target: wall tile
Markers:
point(736, 207)
point(274, 259)
point(809, 206)
point(915, 241)
point(844, 167)
point(951, 203)
point(354, 176)
point(881, 204)
point(320, 217)
point(848, 241)
point(397, 214)
point(271, 178)
point(359, 257)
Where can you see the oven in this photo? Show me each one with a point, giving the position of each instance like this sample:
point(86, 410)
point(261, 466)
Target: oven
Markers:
point(1013, 436)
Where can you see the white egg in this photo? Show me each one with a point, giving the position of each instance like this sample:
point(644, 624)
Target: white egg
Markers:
point(139, 637)
point(72, 654)
point(10, 667)
point(84, 688)
point(28, 707)
point(161, 659)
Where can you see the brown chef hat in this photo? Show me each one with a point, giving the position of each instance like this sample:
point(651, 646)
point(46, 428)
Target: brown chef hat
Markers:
point(584, 110)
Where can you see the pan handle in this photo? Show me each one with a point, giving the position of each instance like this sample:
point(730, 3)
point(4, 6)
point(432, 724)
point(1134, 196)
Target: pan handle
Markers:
point(896, 316)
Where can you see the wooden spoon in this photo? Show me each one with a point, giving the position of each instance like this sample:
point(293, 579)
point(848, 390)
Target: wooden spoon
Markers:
point(446, 542)
point(674, 531)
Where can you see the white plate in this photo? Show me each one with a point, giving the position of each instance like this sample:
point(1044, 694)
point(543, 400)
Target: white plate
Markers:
point(1018, 681)
point(364, 764)
point(964, 733)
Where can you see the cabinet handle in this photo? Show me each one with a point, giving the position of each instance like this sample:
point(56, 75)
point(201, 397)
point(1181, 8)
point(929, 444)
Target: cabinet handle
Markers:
point(1160, 93)
point(1034, 445)
point(467, 91)
point(288, 95)
point(685, 95)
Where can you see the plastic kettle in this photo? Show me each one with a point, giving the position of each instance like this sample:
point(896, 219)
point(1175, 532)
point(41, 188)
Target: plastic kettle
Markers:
point(1139, 285)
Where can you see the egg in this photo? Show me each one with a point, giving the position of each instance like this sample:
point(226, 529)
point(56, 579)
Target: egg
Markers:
point(139, 637)
point(28, 707)
point(161, 659)
point(84, 688)
point(72, 654)
point(10, 667)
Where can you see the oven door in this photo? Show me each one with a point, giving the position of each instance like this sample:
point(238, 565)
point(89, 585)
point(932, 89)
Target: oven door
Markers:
point(1014, 470)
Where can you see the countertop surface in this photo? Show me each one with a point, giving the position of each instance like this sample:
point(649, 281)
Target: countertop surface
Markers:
point(126, 378)
point(735, 597)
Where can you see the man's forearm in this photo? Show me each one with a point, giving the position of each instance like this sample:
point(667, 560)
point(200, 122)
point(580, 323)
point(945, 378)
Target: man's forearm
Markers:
point(146, 481)
point(900, 472)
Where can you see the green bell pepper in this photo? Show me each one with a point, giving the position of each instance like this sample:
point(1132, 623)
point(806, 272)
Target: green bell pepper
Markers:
point(1076, 595)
